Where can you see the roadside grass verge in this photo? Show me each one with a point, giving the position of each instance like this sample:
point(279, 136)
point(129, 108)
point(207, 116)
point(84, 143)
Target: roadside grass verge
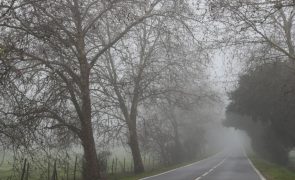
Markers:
point(272, 171)
point(153, 172)
point(131, 176)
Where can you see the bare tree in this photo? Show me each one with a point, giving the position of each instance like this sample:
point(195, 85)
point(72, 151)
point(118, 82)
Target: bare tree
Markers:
point(138, 66)
point(53, 47)
point(262, 23)
point(174, 124)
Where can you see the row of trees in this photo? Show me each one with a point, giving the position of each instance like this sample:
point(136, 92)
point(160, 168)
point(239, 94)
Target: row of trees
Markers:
point(262, 105)
point(262, 32)
point(73, 71)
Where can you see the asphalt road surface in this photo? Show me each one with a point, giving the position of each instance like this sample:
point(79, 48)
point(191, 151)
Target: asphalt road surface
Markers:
point(228, 165)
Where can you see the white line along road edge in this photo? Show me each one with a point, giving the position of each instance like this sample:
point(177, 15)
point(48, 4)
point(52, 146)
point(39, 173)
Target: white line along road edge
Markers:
point(255, 169)
point(181, 167)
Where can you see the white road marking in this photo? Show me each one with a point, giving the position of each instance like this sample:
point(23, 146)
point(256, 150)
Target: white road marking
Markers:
point(181, 167)
point(252, 165)
point(256, 170)
point(212, 169)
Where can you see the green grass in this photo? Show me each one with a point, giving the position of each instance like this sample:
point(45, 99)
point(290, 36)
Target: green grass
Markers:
point(145, 174)
point(155, 171)
point(272, 171)
point(6, 171)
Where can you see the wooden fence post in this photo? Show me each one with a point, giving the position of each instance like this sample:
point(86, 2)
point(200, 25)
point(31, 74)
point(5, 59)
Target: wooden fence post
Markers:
point(107, 166)
point(75, 168)
point(24, 170)
point(28, 169)
point(124, 165)
point(67, 169)
point(54, 174)
point(149, 163)
point(116, 164)
point(113, 161)
point(48, 170)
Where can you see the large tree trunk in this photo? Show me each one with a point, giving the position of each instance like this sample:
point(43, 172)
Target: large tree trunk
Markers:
point(91, 165)
point(131, 119)
point(91, 170)
point(134, 146)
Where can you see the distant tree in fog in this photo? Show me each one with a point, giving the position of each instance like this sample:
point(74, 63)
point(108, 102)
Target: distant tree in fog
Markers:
point(261, 33)
point(266, 96)
point(173, 127)
point(135, 70)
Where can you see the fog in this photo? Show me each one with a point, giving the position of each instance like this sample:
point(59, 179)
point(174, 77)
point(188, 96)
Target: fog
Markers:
point(95, 89)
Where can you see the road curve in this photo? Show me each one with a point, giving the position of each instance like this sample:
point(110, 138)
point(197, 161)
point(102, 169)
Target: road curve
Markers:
point(228, 165)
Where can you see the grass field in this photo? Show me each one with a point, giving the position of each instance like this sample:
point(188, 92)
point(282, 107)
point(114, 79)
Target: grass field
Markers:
point(5, 168)
point(7, 172)
point(272, 171)
point(114, 169)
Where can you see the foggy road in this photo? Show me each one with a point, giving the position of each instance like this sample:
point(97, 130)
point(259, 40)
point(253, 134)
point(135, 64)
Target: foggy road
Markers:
point(228, 165)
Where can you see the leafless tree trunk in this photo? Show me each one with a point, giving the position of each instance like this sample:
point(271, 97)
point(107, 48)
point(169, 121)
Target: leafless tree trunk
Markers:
point(54, 48)
point(134, 146)
point(57, 44)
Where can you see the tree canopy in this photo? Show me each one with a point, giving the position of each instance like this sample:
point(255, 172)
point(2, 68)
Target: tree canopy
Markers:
point(264, 106)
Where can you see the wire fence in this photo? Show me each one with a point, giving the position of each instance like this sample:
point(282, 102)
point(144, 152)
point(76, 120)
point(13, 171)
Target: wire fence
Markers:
point(57, 169)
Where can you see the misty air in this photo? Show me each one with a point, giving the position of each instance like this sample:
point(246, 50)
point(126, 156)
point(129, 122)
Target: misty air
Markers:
point(147, 90)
